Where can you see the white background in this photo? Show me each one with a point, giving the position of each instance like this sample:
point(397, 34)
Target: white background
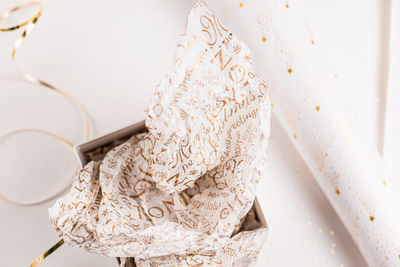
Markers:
point(111, 55)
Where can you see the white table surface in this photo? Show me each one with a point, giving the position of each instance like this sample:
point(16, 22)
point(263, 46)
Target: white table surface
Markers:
point(111, 55)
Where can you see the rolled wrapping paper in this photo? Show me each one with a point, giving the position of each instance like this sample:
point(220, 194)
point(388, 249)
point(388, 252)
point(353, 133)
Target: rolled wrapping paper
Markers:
point(304, 95)
point(183, 187)
point(391, 145)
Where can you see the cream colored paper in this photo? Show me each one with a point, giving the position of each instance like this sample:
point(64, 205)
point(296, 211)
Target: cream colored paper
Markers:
point(391, 144)
point(183, 187)
point(240, 250)
point(306, 102)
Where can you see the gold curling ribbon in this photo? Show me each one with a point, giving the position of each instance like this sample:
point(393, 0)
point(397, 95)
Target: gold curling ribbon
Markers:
point(47, 253)
point(29, 25)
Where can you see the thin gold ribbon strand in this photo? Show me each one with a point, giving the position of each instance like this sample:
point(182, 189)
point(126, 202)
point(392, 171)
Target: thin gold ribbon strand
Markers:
point(47, 253)
point(30, 24)
point(60, 139)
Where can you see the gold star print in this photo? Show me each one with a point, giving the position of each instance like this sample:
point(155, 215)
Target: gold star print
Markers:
point(289, 71)
point(371, 218)
point(247, 58)
point(241, 4)
point(237, 49)
point(317, 108)
point(264, 39)
point(337, 191)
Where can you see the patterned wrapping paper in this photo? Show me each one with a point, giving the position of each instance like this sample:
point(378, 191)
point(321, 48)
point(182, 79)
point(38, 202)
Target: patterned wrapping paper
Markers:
point(183, 187)
point(208, 102)
point(241, 250)
point(306, 102)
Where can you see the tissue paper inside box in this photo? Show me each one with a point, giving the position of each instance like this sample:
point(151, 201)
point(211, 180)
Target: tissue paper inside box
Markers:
point(242, 248)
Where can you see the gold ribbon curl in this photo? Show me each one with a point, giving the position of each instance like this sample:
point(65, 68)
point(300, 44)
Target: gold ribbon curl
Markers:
point(29, 25)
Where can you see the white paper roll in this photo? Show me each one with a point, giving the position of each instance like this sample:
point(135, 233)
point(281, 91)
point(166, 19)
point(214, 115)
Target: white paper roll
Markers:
point(306, 102)
point(391, 143)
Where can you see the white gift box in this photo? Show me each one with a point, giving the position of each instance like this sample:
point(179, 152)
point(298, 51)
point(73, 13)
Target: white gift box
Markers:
point(243, 247)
